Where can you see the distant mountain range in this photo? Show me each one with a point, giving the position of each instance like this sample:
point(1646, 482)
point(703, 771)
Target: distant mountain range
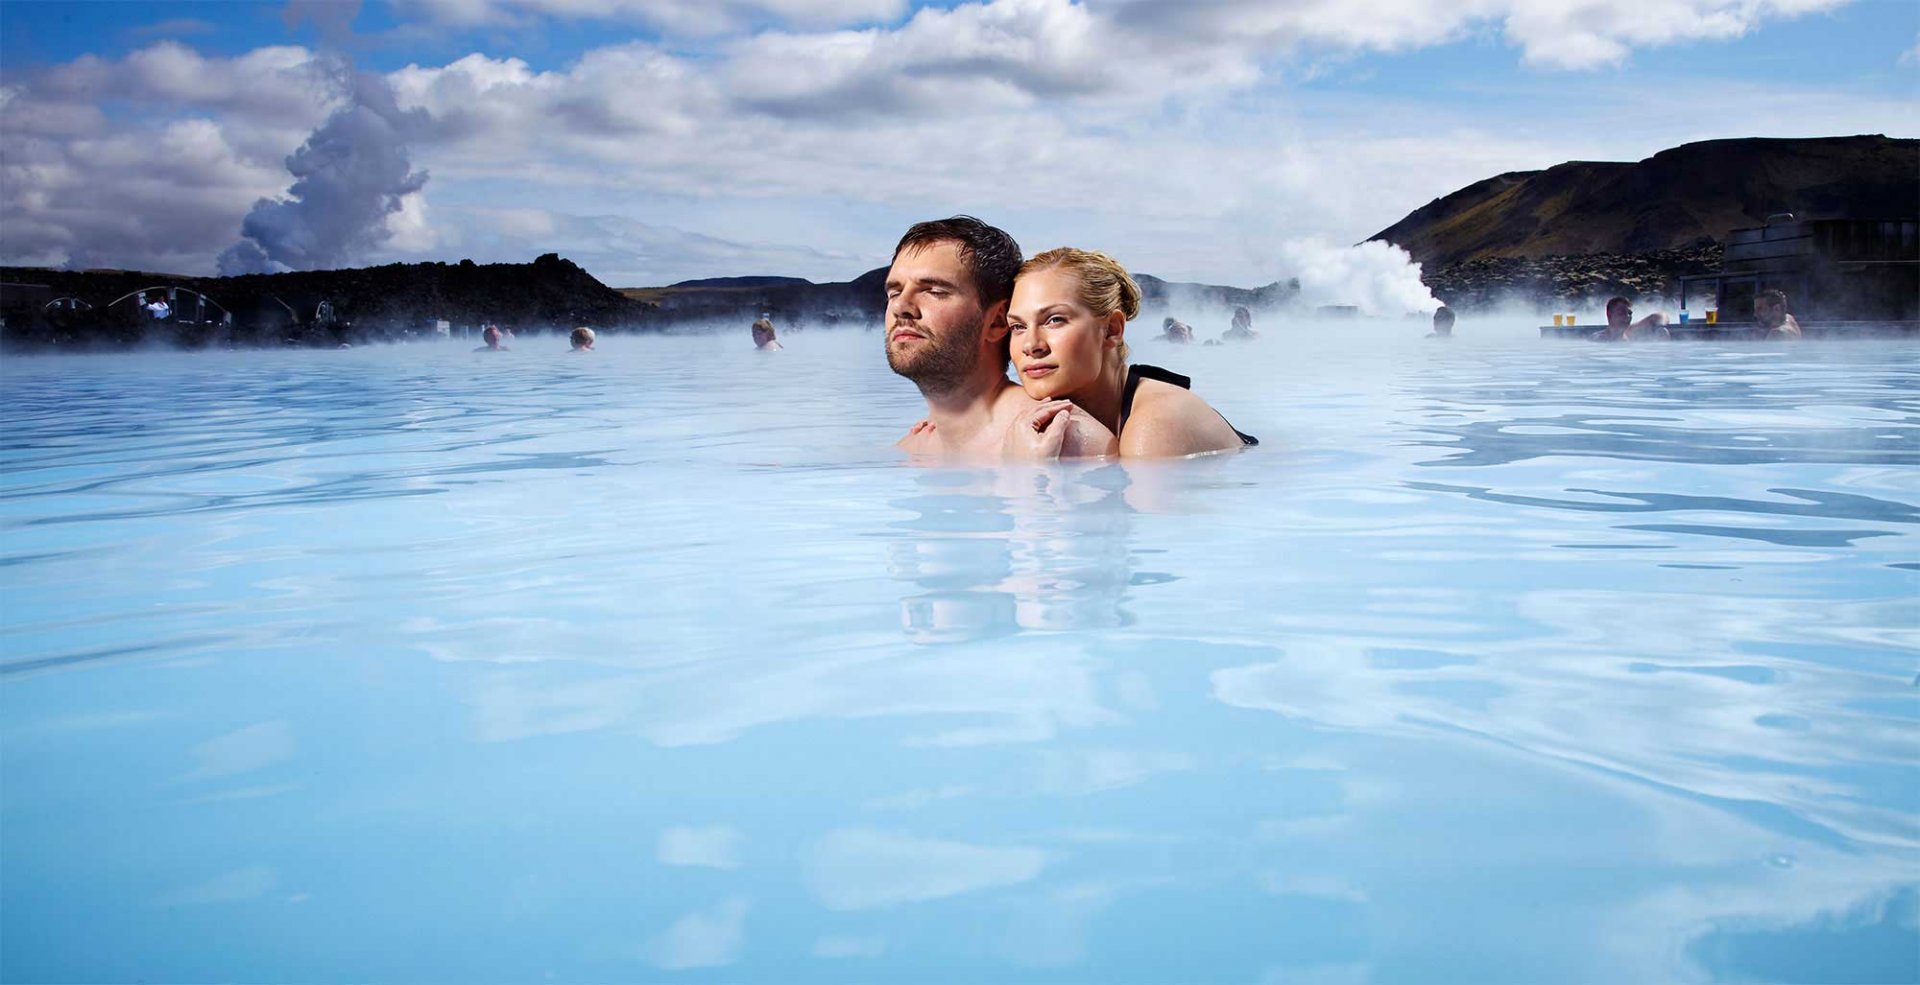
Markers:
point(1567, 235)
point(1687, 197)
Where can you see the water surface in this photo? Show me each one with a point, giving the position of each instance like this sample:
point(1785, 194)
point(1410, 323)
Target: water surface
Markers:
point(1499, 661)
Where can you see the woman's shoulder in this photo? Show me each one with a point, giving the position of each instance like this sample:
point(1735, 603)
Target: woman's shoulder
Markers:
point(1168, 420)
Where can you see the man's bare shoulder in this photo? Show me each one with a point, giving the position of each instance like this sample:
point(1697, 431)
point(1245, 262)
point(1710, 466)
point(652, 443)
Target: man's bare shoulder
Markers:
point(919, 440)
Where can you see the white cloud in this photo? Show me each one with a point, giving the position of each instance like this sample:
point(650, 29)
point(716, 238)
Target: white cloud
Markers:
point(857, 869)
point(696, 17)
point(706, 938)
point(715, 847)
point(625, 252)
point(1161, 131)
point(1552, 34)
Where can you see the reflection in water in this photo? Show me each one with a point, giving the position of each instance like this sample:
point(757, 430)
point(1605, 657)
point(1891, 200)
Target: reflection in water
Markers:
point(628, 679)
point(997, 551)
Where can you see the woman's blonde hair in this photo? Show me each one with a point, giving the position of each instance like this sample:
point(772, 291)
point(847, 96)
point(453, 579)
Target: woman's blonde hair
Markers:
point(1105, 286)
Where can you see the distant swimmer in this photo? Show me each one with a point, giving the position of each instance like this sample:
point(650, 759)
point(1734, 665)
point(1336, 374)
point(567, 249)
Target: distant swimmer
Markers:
point(1770, 316)
point(492, 337)
point(581, 339)
point(1442, 323)
point(1622, 328)
point(1176, 331)
point(1242, 330)
point(946, 330)
point(763, 334)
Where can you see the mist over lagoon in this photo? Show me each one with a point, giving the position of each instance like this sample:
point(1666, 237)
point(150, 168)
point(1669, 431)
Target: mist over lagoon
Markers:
point(411, 570)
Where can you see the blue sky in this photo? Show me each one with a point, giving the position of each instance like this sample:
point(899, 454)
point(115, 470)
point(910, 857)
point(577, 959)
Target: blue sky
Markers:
point(655, 140)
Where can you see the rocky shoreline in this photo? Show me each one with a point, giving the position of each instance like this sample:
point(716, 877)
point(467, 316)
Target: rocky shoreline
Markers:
point(1552, 283)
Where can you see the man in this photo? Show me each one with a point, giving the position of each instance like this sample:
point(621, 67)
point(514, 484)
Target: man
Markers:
point(1622, 328)
point(1771, 318)
point(492, 337)
point(1176, 331)
point(1442, 323)
point(763, 334)
point(581, 339)
point(946, 330)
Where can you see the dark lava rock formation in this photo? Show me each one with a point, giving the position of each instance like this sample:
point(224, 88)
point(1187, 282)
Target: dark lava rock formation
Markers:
point(1581, 228)
point(1564, 282)
point(367, 304)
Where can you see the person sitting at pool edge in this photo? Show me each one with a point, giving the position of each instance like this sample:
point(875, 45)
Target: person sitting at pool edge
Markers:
point(1067, 333)
point(763, 334)
point(1622, 328)
point(1770, 316)
point(1442, 323)
point(581, 339)
point(492, 337)
point(946, 330)
point(1176, 331)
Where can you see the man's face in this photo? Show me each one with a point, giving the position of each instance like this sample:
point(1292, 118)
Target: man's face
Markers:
point(1619, 315)
point(1769, 314)
point(935, 322)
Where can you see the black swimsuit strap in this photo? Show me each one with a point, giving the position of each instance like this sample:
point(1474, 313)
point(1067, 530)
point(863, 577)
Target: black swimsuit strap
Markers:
point(1141, 371)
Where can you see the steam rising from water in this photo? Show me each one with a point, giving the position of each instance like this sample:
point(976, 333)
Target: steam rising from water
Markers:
point(1380, 278)
point(350, 176)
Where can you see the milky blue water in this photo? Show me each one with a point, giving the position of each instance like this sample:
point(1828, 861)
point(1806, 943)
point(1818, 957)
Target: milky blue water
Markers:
point(1499, 661)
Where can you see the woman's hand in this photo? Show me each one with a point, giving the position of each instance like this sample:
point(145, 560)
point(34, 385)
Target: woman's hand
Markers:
point(1038, 434)
point(1088, 438)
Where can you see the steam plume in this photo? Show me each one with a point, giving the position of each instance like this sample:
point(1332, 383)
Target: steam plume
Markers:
point(349, 176)
point(1378, 278)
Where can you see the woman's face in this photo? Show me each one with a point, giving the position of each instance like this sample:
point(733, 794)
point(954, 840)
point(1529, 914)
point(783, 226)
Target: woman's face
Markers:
point(1058, 345)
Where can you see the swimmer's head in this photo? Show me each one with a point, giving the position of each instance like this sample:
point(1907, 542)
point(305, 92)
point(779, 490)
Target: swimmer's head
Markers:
point(491, 335)
point(581, 338)
point(1443, 320)
point(1619, 311)
point(1770, 308)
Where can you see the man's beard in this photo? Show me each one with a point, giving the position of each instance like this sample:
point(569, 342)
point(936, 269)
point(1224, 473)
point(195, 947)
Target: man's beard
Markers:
point(939, 365)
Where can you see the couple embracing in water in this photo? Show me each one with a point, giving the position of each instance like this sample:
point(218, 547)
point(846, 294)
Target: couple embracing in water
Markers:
point(961, 305)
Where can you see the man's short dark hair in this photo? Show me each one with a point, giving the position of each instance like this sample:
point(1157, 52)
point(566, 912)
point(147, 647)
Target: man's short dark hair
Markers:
point(991, 256)
point(1771, 296)
point(1617, 299)
point(1443, 314)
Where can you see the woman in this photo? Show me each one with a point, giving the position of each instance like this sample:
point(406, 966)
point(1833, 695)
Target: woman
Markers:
point(1067, 335)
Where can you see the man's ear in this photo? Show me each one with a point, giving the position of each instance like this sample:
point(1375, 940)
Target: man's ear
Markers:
point(996, 322)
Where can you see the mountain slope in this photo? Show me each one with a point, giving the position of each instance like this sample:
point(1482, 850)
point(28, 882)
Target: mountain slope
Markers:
point(1675, 199)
